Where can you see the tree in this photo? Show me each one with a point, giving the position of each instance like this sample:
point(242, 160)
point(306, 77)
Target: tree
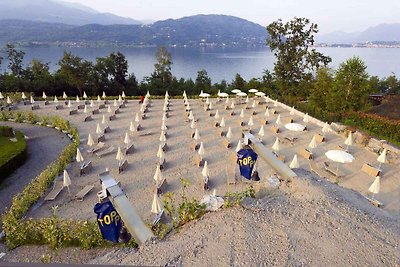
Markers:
point(392, 84)
point(15, 59)
point(351, 87)
point(120, 65)
point(203, 82)
point(76, 72)
point(238, 82)
point(162, 75)
point(38, 77)
point(322, 85)
point(295, 60)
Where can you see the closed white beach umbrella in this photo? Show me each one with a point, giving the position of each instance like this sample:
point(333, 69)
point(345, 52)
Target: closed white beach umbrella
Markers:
point(132, 127)
point(65, 95)
point(275, 146)
point(156, 206)
point(222, 123)
point(166, 94)
point(99, 131)
point(98, 98)
point(157, 175)
point(103, 120)
point(313, 143)
point(184, 94)
point(1, 96)
point(66, 181)
point(276, 103)
point(247, 100)
point(120, 98)
point(8, 100)
point(239, 146)
point(261, 131)
point(77, 99)
point(137, 117)
point(109, 109)
point(23, 96)
point(232, 105)
point(44, 96)
point(115, 103)
point(292, 111)
point(79, 157)
point(104, 95)
point(205, 172)
point(349, 140)
point(164, 117)
point(278, 120)
point(242, 113)
point(254, 104)
point(227, 100)
point(382, 157)
point(148, 94)
point(163, 138)
point(229, 133)
point(127, 140)
point(201, 150)
point(207, 101)
point(306, 118)
point(119, 156)
point(192, 125)
point(90, 141)
point(191, 117)
point(163, 126)
point(160, 152)
point(266, 114)
point(69, 104)
point(123, 94)
point(84, 95)
point(210, 106)
point(85, 109)
point(250, 123)
point(91, 103)
point(326, 128)
point(216, 116)
point(375, 186)
point(294, 163)
point(196, 135)
point(32, 100)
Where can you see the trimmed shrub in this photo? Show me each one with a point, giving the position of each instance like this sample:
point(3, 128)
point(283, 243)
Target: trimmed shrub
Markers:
point(12, 155)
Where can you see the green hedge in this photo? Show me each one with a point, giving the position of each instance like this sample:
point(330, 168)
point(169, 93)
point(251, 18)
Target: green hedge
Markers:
point(12, 154)
point(6, 131)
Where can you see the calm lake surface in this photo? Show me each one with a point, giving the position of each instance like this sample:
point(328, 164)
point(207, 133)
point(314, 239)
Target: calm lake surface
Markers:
point(220, 63)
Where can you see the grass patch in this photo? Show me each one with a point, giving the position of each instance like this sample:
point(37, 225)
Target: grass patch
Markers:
point(12, 154)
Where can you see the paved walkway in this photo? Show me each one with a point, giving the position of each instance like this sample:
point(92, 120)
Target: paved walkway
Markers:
point(44, 146)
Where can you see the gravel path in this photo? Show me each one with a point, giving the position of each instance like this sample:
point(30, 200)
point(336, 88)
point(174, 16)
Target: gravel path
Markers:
point(44, 146)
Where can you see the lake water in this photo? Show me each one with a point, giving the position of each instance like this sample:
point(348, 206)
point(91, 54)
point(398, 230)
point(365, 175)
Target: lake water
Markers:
point(221, 63)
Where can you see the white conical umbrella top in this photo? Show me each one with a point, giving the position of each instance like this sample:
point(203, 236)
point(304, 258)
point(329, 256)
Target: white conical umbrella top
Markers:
point(119, 98)
point(77, 99)
point(232, 105)
point(69, 103)
point(163, 138)
point(205, 172)
point(250, 123)
point(132, 126)
point(247, 100)
point(104, 94)
point(127, 140)
point(382, 156)
point(163, 126)
point(67, 179)
point(222, 123)
point(266, 114)
point(8, 100)
point(292, 111)
point(242, 113)
point(210, 106)
point(313, 143)
point(229, 133)
point(254, 104)
point(84, 95)
point(23, 96)
point(216, 116)
point(65, 95)
point(90, 141)
point(119, 156)
point(44, 96)
point(109, 109)
point(156, 206)
point(32, 100)
point(85, 109)
point(160, 152)
point(238, 146)
point(123, 94)
point(201, 150)
point(192, 125)
point(196, 135)
point(98, 98)
point(115, 103)
point(349, 140)
point(294, 163)
point(306, 118)
point(1, 96)
point(326, 128)
point(103, 120)
point(261, 131)
point(79, 157)
point(91, 103)
point(137, 117)
point(276, 145)
point(158, 176)
point(98, 129)
point(278, 120)
point(375, 186)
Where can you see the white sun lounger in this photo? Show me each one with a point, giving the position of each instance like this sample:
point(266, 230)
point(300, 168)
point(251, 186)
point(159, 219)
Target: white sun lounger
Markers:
point(57, 188)
point(81, 194)
point(105, 152)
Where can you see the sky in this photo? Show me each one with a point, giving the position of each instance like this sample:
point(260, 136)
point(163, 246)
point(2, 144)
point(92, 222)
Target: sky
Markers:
point(336, 15)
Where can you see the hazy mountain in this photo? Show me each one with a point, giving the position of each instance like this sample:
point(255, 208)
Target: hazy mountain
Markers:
point(57, 12)
point(200, 30)
point(382, 32)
